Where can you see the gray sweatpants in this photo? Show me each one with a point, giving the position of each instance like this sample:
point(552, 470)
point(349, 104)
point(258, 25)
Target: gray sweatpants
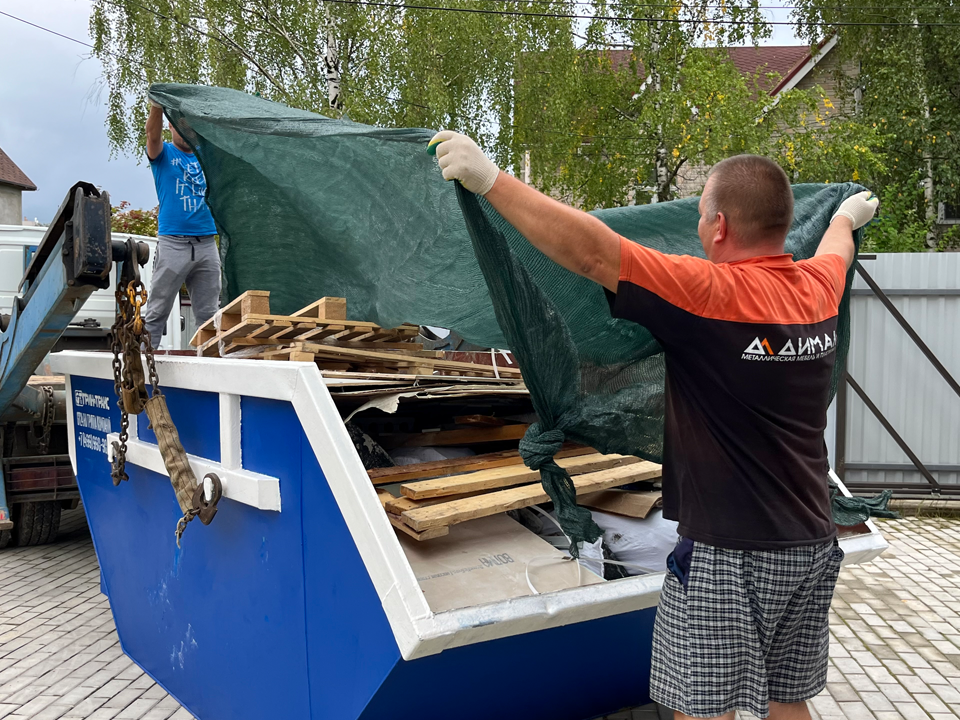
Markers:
point(183, 259)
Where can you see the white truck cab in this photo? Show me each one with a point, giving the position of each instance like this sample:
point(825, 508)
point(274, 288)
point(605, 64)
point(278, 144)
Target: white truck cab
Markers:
point(91, 326)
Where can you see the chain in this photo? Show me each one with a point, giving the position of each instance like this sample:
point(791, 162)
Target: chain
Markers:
point(129, 335)
point(118, 471)
point(132, 348)
point(46, 418)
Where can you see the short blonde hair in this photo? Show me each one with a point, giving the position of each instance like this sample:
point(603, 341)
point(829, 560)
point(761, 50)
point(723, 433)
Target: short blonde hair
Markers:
point(754, 194)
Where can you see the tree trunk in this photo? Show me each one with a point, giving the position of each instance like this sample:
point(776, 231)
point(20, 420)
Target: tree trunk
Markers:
point(331, 61)
point(928, 194)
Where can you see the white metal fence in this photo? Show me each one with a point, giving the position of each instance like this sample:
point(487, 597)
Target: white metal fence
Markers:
point(893, 372)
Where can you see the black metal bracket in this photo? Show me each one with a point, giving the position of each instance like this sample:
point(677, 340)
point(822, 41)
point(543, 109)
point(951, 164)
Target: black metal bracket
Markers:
point(914, 458)
point(87, 251)
point(888, 304)
point(847, 379)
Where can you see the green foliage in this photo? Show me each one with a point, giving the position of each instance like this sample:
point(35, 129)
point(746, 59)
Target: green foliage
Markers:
point(136, 222)
point(908, 82)
point(553, 97)
point(901, 224)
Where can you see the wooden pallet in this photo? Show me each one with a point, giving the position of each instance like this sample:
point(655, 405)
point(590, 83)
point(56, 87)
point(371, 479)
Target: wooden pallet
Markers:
point(247, 322)
point(430, 506)
point(322, 333)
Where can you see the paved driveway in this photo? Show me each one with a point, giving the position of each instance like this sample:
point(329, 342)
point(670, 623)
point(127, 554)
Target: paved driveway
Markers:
point(895, 629)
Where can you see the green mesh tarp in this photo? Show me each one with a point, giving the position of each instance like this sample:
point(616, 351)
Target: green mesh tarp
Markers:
point(310, 207)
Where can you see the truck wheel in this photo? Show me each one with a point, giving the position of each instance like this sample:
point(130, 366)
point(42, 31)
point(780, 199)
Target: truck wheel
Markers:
point(5, 537)
point(36, 523)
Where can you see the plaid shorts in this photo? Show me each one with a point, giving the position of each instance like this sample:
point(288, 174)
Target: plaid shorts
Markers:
point(749, 628)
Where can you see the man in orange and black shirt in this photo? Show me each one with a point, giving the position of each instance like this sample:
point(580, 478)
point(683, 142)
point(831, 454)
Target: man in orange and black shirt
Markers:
point(749, 338)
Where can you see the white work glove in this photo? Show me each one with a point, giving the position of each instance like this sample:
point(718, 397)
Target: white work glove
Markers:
point(859, 209)
point(460, 158)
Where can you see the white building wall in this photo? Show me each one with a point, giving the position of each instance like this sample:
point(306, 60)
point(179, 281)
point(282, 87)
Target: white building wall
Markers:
point(11, 206)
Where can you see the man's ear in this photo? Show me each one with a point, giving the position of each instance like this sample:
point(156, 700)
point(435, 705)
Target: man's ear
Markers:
point(722, 230)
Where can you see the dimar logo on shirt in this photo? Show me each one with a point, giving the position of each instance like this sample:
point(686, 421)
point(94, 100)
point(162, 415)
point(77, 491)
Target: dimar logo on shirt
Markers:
point(810, 347)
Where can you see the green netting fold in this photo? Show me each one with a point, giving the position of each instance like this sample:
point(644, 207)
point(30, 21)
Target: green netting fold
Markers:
point(308, 207)
point(851, 511)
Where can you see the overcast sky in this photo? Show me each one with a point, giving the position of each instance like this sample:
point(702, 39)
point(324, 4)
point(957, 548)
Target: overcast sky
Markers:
point(52, 111)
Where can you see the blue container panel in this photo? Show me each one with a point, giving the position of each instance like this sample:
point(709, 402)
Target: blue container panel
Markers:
point(273, 615)
point(197, 417)
point(349, 658)
point(573, 672)
point(220, 624)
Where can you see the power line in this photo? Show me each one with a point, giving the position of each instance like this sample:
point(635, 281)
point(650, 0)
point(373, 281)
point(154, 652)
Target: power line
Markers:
point(46, 30)
point(723, 6)
point(619, 18)
point(126, 58)
point(387, 97)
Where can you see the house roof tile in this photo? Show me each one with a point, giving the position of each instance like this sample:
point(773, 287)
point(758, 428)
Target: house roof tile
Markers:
point(10, 174)
point(779, 59)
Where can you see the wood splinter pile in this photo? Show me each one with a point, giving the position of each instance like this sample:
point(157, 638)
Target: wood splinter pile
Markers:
point(321, 333)
point(435, 495)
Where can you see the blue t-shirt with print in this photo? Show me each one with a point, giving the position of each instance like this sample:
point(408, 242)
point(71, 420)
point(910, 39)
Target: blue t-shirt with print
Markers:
point(180, 189)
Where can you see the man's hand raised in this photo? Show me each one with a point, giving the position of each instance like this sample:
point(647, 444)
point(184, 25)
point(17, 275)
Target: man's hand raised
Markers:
point(460, 158)
point(854, 212)
point(859, 209)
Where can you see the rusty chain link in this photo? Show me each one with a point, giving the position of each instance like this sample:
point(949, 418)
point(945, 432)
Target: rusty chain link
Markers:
point(132, 347)
point(128, 335)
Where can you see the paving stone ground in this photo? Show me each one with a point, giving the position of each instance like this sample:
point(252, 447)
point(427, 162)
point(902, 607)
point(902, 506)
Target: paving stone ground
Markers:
point(895, 631)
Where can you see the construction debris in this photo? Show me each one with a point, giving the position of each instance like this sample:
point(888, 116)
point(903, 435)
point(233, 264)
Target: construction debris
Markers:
point(367, 366)
point(322, 333)
point(427, 508)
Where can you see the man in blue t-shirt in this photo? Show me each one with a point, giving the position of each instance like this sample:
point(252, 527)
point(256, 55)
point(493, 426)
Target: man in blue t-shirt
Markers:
point(186, 247)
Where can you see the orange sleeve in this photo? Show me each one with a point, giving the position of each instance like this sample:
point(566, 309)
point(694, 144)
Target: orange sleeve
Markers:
point(830, 270)
point(681, 280)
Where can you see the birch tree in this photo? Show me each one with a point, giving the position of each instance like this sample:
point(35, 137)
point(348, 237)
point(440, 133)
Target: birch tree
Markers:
point(907, 81)
point(600, 103)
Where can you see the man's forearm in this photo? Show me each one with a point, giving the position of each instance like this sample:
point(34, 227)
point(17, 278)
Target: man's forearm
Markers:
point(154, 131)
point(579, 242)
point(838, 240)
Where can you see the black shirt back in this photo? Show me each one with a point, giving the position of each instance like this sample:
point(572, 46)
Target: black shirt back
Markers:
point(749, 349)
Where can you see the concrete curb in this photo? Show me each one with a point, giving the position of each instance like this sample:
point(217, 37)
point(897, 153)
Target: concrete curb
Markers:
point(933, 507)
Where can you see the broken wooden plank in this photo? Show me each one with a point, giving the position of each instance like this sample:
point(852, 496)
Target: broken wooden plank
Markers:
point(467, 436)
point(624, 502)
point(508, 476)
point(458, 511)
point(425, 535)
point(385, 357)
point(438, 468)
point(511, 384)
point(400, 505)
point(404, 347)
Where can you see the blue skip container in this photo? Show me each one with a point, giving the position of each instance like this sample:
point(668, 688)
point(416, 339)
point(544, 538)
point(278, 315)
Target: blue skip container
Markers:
point(298, 601)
